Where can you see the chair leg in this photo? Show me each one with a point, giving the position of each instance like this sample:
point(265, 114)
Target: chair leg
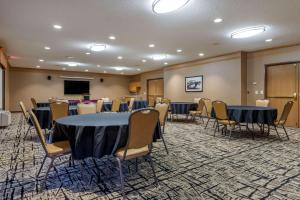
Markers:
point(207, 123)
point(152, 167)
point(41, 167)
point(121, 177)
point(162, 137)
point(285, 132)
point(136, 165)
point(277, 132)
point(240, 129)
point(230, 131)
point(28, 130)
point(48, 170)
point(215, 130)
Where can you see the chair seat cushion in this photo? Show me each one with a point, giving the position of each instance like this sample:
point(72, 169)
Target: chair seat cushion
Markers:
point(57, 148)
point(132, 153)
point(227, 122)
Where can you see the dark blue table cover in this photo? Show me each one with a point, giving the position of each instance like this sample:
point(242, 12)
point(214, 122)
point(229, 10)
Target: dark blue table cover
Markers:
point(95, 135)
point(46, 104)
point(43, 115)
point(182, 107)
point(251, 114)
point(139, 104)
point(107, 107)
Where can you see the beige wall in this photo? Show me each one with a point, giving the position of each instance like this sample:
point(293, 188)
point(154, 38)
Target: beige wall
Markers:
point(27, 83)
point(222, 80)
point(256, 62)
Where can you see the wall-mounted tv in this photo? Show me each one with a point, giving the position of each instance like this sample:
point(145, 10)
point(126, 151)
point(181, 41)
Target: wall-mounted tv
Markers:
point(76, 87)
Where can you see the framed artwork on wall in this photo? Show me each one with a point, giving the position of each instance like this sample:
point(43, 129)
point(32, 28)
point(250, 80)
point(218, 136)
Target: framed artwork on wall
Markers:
point(194, 84)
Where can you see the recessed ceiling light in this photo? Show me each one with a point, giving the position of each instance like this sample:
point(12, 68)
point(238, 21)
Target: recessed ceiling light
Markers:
point(138, 69)
point(159, 57)
point(41, 60)
point(97, 47)
point(201, 54)
point(56, 26)
point(165, 63)
point(47, 48)
point(112, 37)
point(179, 50)
point(144, 60)
point(63, 68)
point(87, 53)
point(218, 20)
point(70, 57)
point(269, 40)
point(118, 68)
point(86, 70)
point(151, 45)
point(38, 66)
point(72, 64)
point(120, 57)
point(248, 32)
point(165, 6)
point(104, 71)
point(122, 72)
point(98, 65)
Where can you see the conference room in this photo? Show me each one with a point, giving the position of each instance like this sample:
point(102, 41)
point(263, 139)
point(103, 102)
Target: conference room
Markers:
point(152, 99)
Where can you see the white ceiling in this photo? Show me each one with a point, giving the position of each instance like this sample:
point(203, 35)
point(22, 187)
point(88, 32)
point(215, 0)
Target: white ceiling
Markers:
point(26, 27)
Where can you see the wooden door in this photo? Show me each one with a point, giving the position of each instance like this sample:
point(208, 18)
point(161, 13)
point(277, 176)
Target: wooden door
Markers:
point(155, 88)
point(282, 85)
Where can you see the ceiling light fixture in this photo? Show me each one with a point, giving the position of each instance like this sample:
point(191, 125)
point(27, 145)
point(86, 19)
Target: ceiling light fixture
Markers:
point(87, 53)
point(38, 66)
point(218, 20)
point(72, 64)
point(70, 57)
point(98, 65)
point(112, 37)
point(248, 32)
point(179, 50)
point(63, 68)
point(151, 45)
point(144, 60)
point(165, 6)
point(201, 54)
point(269, 40)
point(159, 57)
point(104, 72)
point(41, 60)
point(120, 57)
point(118, 68)
point(97, 47)
point(138, 69)
point(165, 63)
point(47, 48)
point(56, 26)
point(86, 70)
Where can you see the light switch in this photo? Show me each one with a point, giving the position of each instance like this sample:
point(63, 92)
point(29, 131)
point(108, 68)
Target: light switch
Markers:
point(256, 91)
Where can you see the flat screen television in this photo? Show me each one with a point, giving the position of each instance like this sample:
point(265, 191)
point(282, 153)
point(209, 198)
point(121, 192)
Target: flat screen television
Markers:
point(76, 87)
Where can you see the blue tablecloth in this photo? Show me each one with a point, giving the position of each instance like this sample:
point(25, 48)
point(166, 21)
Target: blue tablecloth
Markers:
point(182, 107)
point(95, 135)
point(43, 115)
point(46, 104)
point(251, 114)
point(107, 107)
point(139, 104)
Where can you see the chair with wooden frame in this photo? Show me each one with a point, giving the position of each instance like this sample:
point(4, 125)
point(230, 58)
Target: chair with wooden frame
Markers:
point(53, 150)
point(131, 103)
point(199, 111)
point(142, 124)
point(115, 106)
point(34, 103)
point(58, 110)
point(26, 117)
point(262, 102)
point(207, 110)
point(222, 118)
point(162, 108)
point(282, 120)
point(99, 105)
point(86, 108)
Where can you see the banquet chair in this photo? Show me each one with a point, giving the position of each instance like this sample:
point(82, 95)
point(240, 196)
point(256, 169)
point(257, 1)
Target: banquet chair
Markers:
point(130, 106)
point(99, 105)
point(282, 120)
point(53, 150)
point(115, 107)
point(196, 100)
point(262, 102)
point(26, 117)
point(199, 111)
point(222, 118)
point(34, 103)
point(142, 124)
point(158, 100)
point(207, 110)
point(58, 110)
point(162, 108)
point(86, 108)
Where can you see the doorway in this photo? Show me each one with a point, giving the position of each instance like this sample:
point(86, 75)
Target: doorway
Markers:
point(155, 88)
point(282, 85)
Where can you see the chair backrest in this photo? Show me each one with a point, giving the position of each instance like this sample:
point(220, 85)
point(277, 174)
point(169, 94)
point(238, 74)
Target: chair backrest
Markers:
point(99, 105)
point(165, 100)
point(262, 102)
point(105, 99)
point(38, 130)
point(34, 103)
point(162, 108)
point(196, 100)
point(286, 111)
point(24, 111)
point(208, 107)
point(51, 100)
point(142, 124)
point(83, 108)
point(220, 109)
point(130, 106)
point(158, 100)
point(201, 105)
point(115, 107)
point(59, 110)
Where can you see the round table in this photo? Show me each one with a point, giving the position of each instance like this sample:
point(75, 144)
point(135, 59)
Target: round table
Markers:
point(251, 114)
point(43, 115)
point(95, 135)
point(183, 107)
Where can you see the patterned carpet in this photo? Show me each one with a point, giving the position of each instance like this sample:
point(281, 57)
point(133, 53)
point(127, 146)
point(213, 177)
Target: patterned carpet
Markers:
point(199, 166)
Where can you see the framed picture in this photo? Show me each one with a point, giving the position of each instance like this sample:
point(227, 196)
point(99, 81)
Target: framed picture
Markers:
point(194, 84)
